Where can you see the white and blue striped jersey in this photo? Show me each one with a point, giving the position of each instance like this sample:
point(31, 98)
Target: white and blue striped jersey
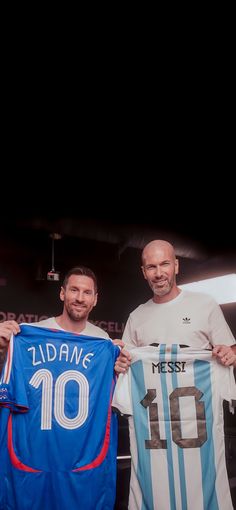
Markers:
point(58, 436)
point(174, 397)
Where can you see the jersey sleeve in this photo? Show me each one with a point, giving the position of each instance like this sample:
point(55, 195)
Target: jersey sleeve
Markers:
point(122, 396)
point(227, 385)
point(12, 389)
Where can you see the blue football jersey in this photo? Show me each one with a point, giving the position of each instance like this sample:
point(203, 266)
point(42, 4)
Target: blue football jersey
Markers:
point(58, 434)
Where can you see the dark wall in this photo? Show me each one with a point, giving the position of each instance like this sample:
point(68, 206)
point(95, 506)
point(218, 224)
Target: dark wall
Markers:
point(26, 295)
point(26, 257)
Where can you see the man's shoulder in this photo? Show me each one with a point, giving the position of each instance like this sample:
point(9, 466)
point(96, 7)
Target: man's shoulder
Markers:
point(92, 330)
point(199, 297)
point(142, 308)
point(89, 330)
point(46, 323)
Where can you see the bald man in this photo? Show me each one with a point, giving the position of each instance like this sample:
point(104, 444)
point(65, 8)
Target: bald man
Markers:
point(173, 315)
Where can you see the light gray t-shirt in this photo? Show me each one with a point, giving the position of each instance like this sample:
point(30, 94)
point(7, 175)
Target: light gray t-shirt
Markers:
point(89, 330)
point(191, 318)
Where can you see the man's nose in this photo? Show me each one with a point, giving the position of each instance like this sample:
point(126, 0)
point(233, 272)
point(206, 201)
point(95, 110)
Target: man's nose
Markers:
point(80, 296)
point(158, 271)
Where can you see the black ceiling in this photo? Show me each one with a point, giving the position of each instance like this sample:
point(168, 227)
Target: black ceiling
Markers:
point(200, 222)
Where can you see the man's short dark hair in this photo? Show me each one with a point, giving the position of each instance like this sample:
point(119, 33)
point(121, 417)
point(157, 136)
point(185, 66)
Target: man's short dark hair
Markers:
point(80, 270)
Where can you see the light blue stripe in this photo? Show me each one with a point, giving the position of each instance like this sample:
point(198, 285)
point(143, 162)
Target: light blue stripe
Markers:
point(203, 383)
point(165, 398)
point(182, 478)
point(140, 415)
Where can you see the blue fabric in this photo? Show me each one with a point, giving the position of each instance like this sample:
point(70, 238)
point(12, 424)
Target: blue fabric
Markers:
point(59, 395)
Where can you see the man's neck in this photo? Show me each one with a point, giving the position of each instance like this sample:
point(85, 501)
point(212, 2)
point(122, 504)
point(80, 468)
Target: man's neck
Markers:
point(175, 291)
point(70, 325)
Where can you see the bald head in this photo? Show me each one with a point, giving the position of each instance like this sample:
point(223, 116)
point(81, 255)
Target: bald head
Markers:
point(158, 246)
point(160, 267)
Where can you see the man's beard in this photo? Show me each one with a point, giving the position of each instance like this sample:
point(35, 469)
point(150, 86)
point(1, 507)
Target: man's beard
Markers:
point(75, 314)
point(161, 290)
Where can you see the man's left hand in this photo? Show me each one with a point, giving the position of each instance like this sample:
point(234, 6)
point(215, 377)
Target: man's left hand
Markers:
point(225, 354)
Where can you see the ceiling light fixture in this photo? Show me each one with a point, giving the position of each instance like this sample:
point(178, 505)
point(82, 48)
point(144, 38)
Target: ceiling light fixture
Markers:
point(53, 275)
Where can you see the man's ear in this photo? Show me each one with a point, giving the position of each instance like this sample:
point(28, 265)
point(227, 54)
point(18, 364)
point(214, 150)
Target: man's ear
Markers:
point(95, 299)
point(176, 266)
point(62, 294)
point(143, 271)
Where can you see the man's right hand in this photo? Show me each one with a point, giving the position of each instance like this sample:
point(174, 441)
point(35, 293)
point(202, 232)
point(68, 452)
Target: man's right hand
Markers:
point(6, 330)
point(123, 362)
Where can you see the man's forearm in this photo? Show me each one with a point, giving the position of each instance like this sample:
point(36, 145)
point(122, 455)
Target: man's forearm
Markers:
point(3, 352)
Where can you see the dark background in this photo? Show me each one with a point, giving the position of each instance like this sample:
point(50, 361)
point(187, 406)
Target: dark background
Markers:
point(107, 232)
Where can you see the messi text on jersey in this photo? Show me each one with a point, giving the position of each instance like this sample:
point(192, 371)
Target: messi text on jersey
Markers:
point(168, 366)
